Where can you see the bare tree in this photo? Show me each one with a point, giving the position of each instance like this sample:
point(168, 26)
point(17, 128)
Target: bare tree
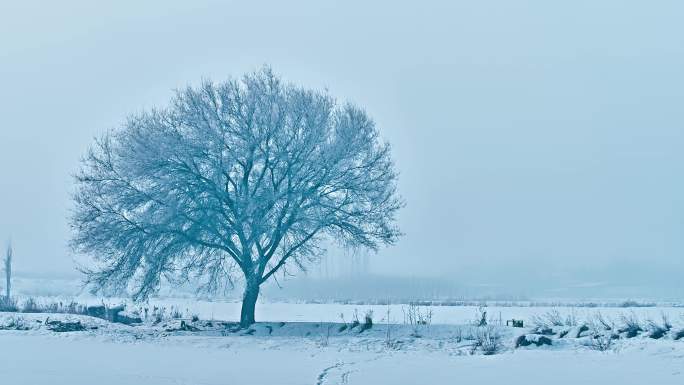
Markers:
point(8, 272)
point(250, 176)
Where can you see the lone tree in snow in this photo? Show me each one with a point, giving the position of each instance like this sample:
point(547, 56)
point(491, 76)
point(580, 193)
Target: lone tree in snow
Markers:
point(8, 272)
point(243, 179)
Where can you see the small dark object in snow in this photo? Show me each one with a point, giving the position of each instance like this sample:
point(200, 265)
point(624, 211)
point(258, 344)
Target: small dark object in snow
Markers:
point(516, 323)
point(537, 340)
point(679, 335)
point(270, 329)
point(281, 324)
point(342, 328)
point(657, 334)
point(366, 326)
point(582, 329)
point(185, 327)
point(61, 327)
point(545, 331)
point(483, 319)
point(631, 331)
point(563, 333)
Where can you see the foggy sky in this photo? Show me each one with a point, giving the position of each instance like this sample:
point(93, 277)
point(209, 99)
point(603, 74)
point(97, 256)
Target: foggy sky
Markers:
point(534, 139)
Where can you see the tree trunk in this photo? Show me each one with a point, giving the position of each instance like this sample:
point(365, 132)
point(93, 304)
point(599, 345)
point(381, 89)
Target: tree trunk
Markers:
point(249, 304)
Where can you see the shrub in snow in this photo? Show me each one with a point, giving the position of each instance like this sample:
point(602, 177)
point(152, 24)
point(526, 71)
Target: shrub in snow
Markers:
point(601, 342)
point(571, 319)
point(184, 326)
point(546, 331)
point(344, 325)
point(325, 336)
point(31, 306)
point(481, 316)
point(176, 313)
point(8, 271)
point(61, 327)
point(679, 335)
point(117, 314)
point(580, 331)
point(367, 321)
point(14, 324)
point(470, 333)
point(417, 318)
point(553, 319)
point(458, 335)
point(126, 318)
point(355, 320)
point(630, 303)
point(656, 330)
point(657, 333)
point(602, 334)
point(598, 322)
point(488, 340)
point(8, 305)
point(532, 339)
point(74, 308)
point(59, 307)
point(414, 315)
point(631, 326)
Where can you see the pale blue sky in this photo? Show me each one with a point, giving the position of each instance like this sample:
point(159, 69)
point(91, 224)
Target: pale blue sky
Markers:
point(534, 138)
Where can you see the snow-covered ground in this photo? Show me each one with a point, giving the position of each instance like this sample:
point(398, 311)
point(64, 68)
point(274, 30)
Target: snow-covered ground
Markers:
point(316, 353)
point(45, 359)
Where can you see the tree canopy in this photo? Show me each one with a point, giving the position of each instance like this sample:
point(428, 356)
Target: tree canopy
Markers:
point(242, 178)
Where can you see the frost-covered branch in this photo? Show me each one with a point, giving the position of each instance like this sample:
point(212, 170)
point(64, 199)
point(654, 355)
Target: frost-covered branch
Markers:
point(247, 175)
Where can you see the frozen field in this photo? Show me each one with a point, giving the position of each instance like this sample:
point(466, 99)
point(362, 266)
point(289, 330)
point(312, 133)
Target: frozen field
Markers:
point(446, 315)
point(314, 353)
point(332, 312)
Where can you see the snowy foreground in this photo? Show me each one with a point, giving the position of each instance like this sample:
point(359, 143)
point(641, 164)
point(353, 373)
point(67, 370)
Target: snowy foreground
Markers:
point(211, 352)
